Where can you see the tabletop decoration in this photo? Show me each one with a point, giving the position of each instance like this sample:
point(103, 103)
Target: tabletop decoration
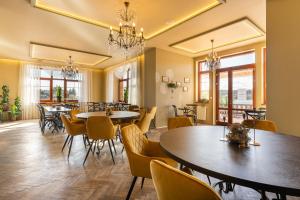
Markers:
point(238, 134)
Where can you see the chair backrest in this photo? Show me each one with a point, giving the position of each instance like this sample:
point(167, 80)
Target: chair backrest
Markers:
point(144, 124)
point(135, 144)
point(100, 127)
point(260, 124)
point(67, 124)
point(133, 139)
point(176, 122)
point(73, 114)
point(171, 183)
point(153, 112)
point(175, 110)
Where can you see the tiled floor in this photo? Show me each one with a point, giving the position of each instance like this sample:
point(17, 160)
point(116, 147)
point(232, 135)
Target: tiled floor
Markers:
point(32, 166)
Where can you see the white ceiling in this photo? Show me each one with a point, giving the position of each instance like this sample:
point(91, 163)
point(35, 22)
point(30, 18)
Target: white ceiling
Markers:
point(22, 23)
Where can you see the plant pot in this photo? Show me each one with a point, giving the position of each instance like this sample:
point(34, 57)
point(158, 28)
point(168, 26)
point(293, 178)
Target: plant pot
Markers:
point(58, 99)
point(5, 107)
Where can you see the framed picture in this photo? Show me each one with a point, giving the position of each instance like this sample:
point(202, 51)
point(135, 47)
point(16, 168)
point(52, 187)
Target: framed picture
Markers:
point(185, 89)
point(187, 80)
point(165, 79)
point(178, 84)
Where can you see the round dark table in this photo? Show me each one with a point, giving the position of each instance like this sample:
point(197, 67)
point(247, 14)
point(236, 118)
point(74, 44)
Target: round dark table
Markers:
point(274, 166)
point(116, 115)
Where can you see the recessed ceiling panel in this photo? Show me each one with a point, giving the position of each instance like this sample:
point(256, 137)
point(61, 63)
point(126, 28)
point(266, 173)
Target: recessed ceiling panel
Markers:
point(61, 54)
point(227, 34)
point(154, 16)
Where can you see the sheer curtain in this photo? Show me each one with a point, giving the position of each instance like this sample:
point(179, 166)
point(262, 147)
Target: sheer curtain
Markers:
point(134, 84)
point(109, 86)
point(29, 90)
point(86, 86)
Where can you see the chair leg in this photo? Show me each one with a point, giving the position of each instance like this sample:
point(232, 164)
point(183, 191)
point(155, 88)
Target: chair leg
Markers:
point(111, 153)
point(131, 188)
point(87, 154)
point(143, 179)
point(65, 143)
point(113, 144)
point(70, 146)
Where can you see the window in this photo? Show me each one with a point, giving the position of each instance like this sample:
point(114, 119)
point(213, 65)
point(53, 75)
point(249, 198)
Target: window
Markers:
point(123, 86)
point(51, 79)
point(238, 60)
point(203, 81)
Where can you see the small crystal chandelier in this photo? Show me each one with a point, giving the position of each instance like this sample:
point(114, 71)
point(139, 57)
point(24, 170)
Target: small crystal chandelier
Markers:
point(212, 61)
point(70, 71)
point(127, 37)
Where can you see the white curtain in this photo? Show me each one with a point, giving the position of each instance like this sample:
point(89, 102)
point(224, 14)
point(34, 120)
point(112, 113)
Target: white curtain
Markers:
point(86, 86)
point(109, 86)
point(29, 90)
point(134, 84)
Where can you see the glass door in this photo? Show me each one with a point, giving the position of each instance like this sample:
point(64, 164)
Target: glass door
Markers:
point(235, 93)
point(242, 93)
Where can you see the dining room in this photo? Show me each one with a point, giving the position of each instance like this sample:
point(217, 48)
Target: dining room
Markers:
point(130, 100)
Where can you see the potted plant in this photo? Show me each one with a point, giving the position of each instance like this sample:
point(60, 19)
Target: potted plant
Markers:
point(203, 102)
point(58, 93)
point(5, 98)
point(18, 107)
point(13, 110)
point(126, 95)
point(172, 86)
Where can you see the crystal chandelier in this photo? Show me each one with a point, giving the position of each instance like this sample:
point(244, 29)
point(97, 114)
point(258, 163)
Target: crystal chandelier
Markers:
point(126, 37)
point(69, 71)
point(212, 61)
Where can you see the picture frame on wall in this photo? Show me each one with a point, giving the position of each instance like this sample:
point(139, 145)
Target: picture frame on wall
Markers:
point(186, 80)
point(165, 79)
point(185, 89)
point(178, 84)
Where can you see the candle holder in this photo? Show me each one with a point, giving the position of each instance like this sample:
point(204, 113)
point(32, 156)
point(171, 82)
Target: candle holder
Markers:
point(253, 142)
point(224, 138)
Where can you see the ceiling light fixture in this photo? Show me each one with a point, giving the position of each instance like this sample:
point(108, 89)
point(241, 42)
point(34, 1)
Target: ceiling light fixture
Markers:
point(212, 60)
point(127, 37)
point(70, 71)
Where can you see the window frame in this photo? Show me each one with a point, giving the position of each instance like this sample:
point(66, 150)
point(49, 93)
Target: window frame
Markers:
point(127, 85)
point(51, 79)
point(201, 73)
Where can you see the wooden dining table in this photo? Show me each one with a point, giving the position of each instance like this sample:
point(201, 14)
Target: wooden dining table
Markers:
point(274, 166)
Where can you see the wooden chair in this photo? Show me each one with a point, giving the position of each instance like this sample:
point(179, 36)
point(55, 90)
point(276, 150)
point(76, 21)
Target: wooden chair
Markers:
point(171, 183)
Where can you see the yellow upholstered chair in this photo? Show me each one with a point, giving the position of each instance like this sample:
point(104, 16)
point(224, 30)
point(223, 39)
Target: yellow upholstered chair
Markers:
point(144, 124)
point(140, 151)
point(260, 124)
point(72, 129)
point(176, 122)
point(153, 113)
point(171, 183)
point(73, 117)
point(101, 128)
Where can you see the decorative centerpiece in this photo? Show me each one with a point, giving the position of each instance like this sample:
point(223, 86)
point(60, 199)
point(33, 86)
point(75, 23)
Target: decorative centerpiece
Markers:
point(238, 134)
point(108, 111)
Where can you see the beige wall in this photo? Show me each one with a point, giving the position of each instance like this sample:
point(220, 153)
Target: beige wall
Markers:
point(160, 63)
point(98, 94)
point(176, 67)
point(258, 48)
point(283, 47)
point(9, 75)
